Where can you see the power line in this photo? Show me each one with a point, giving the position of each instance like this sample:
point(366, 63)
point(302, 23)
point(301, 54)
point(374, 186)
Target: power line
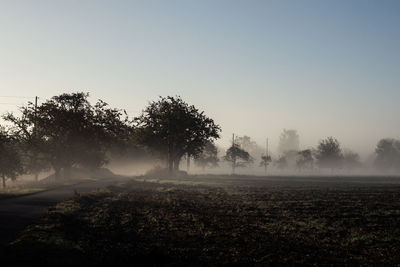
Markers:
point(14, 96)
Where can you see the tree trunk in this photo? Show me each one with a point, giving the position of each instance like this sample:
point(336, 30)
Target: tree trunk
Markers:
point(67, 172)
point(57, 173)
point(170, 164)
point(36, 176)
point(187, 163)
point(176, 164)
point(4, 181)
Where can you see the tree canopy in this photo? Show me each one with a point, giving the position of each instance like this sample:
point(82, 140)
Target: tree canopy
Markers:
point(288, 141)
point(388, 154)
point(238, 157)
point(305, 159)
point(208, 157)
point(10, 160)
point(173, 128)
point(329, 154)
point(69, 131)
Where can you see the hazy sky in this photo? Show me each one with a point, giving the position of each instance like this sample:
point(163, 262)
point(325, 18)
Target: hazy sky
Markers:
point(325, 68)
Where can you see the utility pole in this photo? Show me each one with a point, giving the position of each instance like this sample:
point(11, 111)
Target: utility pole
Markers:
point(36, 174)
point(266, 156)
point(233, 154)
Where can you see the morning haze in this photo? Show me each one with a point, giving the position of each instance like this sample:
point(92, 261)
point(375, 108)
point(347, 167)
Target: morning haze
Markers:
point(325, 69)
point(199, 133)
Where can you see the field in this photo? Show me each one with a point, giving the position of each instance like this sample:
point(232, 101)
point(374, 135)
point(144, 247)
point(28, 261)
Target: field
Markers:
point(220, 220)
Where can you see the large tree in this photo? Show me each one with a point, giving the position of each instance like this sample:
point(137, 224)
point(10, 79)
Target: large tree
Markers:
point(174, 128)
point(69, 131)
point(329, 154)
point(10, 160)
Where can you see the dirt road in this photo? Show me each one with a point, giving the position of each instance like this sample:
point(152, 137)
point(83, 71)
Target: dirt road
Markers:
point(16, 213)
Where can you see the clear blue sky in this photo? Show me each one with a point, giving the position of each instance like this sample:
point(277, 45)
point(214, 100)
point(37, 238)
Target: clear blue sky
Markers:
point(321, 67)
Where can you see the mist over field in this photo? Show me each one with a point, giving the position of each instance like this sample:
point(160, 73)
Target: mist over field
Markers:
point(199, 133)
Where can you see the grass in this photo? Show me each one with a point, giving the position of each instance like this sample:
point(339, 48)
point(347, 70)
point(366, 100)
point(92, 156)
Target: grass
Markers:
point(259, 223)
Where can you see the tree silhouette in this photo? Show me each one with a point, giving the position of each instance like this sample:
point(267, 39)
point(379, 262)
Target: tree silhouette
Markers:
point(281, 163)
point(238, 157)
point(265, 161)
point(10, 161)
point(249, 145)
point(305, 159)
point(288, 141)
point(68, 131)
point(329, 154)
point(173, 128)
point(388, 154)
point(351, 160)
point(208, 157)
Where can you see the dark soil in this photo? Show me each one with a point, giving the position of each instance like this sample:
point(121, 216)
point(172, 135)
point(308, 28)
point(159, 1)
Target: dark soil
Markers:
point(153, 224)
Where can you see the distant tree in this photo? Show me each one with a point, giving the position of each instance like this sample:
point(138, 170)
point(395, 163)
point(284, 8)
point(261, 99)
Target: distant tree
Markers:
point(208, 157)
point(10, 161)
point(246, 143)
point(173, 128)
point(281, 163)
point(265, 161)
point(329, 154)
point(305, 159)
point(69, 131)
point(388, 154)
point(351, 160)
point(238, 157)
point(289, 141)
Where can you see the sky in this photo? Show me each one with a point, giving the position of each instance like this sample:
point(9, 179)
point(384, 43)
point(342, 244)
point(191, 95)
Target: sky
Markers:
point(324, 68)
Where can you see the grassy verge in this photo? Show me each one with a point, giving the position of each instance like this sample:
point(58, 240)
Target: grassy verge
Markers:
point(17, 192)
point(33, 188)
point(158, 224)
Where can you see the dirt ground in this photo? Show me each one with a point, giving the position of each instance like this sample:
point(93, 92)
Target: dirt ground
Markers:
point(220, 220)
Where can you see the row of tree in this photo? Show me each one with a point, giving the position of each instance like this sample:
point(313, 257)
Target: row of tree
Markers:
point(327, 155)
point(68, 131)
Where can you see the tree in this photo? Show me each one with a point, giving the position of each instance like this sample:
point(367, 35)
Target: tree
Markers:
point(281, 163)
point(265, 161)
point(305, 159)
point(388, 154)
point(329, 154)
point(351, 160)
point(10, 161)
point(69, 131)
point(249, 145)
point(238, 157)
point(208, 157)
point(173, 128)
point(288, 141)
